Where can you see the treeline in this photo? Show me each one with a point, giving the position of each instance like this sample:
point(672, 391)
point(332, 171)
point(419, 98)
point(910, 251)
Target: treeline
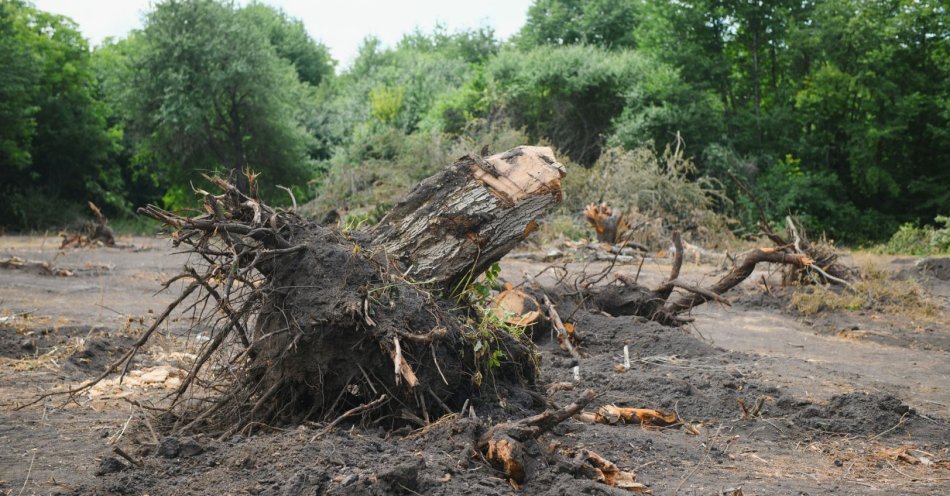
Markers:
point(836, 110)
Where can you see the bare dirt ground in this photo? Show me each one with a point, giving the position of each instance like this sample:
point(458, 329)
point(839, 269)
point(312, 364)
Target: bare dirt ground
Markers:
point(853, 402)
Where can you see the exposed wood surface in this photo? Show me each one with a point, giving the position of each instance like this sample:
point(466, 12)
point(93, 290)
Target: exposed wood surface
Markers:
point(455, 224)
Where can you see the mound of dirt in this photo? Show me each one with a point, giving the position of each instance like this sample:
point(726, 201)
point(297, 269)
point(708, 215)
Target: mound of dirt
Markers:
point(938, 267)
point(98, 353)
point(857, 413)
point(94, 347)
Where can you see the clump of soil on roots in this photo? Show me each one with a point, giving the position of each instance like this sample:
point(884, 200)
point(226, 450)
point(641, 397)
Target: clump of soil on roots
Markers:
point(325, 341)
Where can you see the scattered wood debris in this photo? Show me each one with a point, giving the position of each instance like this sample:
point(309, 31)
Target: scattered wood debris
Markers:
point(90, 233)
point(34, 267)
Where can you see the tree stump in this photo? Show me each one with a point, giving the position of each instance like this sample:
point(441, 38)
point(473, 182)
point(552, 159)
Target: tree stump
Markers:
point(311, 322)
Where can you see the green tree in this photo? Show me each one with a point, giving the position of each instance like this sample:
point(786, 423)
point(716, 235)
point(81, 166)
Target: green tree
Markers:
point(211, 92)
point(574, 96)
point(872, 104)
point(19, 75)
point(606, 23)
point(290, 40)
point(53, 140)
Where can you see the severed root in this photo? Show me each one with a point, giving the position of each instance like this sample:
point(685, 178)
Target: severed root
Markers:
point(565, 337)
point(515, 307)
point(34, 267)
point(509, 447)
point(509, 454)
point(611, 414)
point(502, 443)
point(604, 471)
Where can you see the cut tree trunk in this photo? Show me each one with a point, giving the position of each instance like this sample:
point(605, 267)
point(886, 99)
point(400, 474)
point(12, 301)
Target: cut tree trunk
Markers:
point(459, 222)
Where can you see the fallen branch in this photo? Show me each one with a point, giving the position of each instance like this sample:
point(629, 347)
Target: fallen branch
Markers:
point(735, 276)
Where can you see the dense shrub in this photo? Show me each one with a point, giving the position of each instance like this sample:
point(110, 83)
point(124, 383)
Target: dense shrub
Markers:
point(911, 239)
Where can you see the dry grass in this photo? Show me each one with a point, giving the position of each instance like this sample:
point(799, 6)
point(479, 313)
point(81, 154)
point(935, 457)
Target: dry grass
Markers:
point(876, 289)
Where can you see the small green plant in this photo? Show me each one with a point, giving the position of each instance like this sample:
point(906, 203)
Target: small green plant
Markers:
point(487, 327)
point(911, 239)
point(386, 103)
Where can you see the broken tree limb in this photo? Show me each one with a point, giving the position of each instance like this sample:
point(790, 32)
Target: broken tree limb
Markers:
point(665, 290)
point(457, 223)
point(738, 274)
point(661, 305)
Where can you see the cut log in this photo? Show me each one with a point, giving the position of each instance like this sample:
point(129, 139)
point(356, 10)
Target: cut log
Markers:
point(457, 223)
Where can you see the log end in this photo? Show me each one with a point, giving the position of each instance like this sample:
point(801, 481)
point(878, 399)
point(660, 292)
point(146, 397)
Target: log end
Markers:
point(520, 173)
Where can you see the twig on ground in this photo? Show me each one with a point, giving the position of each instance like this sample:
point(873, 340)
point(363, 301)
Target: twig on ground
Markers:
point(349, 413)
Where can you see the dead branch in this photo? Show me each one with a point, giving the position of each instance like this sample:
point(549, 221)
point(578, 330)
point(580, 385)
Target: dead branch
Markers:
point(735, 276)
point(664, 291)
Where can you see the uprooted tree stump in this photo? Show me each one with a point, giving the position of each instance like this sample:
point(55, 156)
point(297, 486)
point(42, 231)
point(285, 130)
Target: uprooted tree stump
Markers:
point(314, 323)
point(90, 232)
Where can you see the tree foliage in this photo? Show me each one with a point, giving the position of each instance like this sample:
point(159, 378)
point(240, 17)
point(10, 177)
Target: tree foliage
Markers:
point(53, 141)
point(837, 111)
point(212, 93)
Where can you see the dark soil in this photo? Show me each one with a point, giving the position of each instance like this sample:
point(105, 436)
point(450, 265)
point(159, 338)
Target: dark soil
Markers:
point(99, 346)
point(803, 441)
point(858, 413)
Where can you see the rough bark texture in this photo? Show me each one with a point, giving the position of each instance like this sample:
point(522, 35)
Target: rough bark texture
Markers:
point(457, 223)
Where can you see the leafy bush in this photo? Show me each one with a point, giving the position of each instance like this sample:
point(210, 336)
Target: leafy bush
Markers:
point(911, 239)
point(817, 197)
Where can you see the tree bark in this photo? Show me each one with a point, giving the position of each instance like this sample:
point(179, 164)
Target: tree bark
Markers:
point(457, 223)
